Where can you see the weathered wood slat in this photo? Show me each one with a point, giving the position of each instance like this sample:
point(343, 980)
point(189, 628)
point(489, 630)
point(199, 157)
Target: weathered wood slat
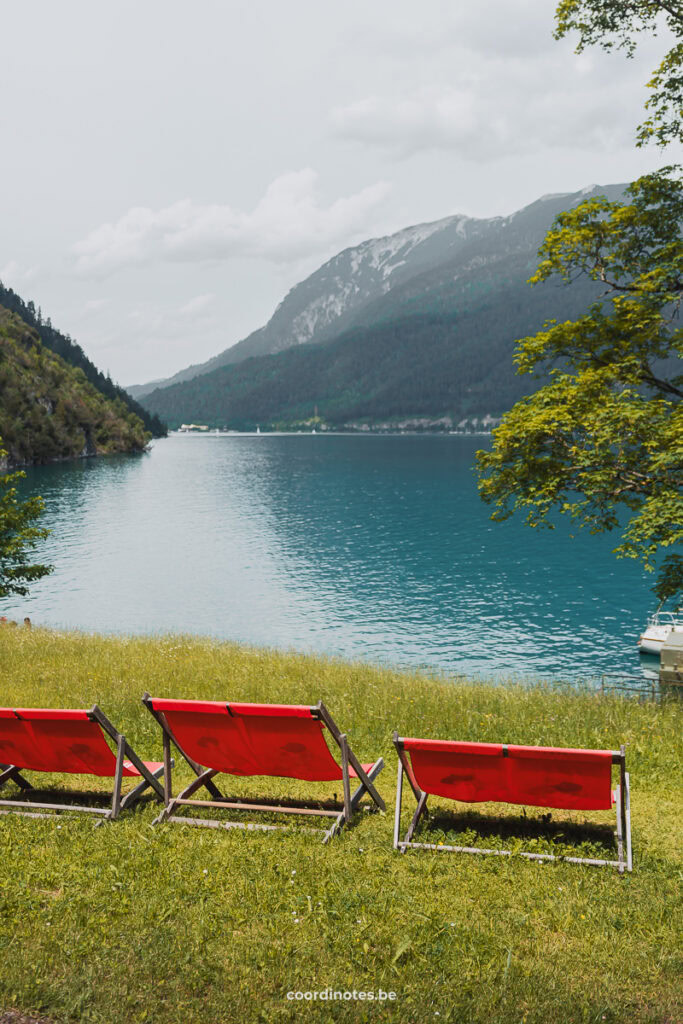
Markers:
point(255, 807)
point(54, 807)
point(248, 826)
point(510, 853)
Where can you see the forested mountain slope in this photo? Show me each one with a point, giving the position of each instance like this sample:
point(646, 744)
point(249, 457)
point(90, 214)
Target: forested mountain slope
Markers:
point(73, 354)
point(48, 408)
point(445, 267)
point(435, 364)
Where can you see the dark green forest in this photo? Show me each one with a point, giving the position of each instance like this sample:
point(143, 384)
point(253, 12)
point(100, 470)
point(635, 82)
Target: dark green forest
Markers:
point(72, 353)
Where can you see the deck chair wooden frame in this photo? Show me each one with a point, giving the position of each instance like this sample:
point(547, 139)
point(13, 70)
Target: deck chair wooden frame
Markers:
point(342, 814)
point(124, 763)
point(622, 799)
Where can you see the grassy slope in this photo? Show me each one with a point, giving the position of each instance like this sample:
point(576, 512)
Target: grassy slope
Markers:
point(128, 923)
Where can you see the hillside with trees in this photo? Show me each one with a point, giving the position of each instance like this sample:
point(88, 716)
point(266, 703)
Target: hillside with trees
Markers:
point(49, 410)
point(72, 353)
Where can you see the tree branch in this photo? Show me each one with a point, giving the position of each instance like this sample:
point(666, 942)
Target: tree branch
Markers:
point(677, 14)
point(662, 385)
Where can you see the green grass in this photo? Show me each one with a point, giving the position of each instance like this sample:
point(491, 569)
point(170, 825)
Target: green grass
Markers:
point(129, 922)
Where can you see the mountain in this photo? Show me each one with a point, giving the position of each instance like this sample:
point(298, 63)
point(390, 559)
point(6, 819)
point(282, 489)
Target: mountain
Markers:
point(326, 301)
point(425, 370)
point(49, 410)
point(63, 346)
point(361, 283)
point(415, 329)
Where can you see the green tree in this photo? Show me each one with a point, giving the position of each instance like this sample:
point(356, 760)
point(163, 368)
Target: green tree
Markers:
point(606, 434)
point(18, 536)
point(617, 24)
point(603, 441)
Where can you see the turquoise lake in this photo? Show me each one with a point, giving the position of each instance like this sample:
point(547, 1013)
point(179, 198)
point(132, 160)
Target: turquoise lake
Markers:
point(366, 547)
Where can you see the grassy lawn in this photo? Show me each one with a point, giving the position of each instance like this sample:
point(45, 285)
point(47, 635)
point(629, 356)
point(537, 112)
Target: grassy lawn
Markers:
point(128, 922)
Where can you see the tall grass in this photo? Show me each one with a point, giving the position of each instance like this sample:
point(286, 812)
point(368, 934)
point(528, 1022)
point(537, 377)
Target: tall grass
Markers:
point(129, 922)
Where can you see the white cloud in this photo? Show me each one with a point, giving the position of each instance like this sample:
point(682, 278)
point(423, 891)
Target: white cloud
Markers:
point(152, 322)
point(14, 275)
point(9, 272)
point(488, 82)
point(287, 224)
point(481, 122)
point(522, 27)
point(196, 305)
point(95, 305)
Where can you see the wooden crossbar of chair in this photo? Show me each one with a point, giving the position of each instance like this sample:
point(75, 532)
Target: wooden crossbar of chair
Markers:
point(622, 799)
point(350, 766)
point(92, 756)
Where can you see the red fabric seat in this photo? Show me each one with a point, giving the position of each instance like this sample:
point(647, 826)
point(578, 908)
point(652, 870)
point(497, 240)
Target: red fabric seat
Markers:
point(535, 776)
point(58, 740)
point(252, 739)
point(282, 740)
point(70, 741)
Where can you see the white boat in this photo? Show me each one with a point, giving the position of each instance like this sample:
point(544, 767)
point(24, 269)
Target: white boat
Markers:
point(657, 630)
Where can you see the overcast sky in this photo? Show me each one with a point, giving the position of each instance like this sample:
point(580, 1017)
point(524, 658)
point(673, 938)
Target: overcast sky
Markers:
point(170, 170)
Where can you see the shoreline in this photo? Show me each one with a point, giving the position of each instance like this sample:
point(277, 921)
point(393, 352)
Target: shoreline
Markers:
point(587, 683)
point(370, 432)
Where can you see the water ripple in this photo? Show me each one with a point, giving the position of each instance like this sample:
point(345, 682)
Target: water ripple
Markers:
point(365, 547)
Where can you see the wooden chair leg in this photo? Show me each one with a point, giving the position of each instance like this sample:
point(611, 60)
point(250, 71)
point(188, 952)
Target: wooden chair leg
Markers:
point(118, 779)
point(12, 774)
point(133, 794)
point(356, 798)
point(419, 811)
point(627, 822)
point(345, 773)
point(399, 798)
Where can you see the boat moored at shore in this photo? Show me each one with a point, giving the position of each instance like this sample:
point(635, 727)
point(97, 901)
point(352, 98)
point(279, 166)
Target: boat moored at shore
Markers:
point(657, 630)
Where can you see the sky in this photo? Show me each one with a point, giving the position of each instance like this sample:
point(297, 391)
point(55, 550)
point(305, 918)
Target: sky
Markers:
point(169, 171)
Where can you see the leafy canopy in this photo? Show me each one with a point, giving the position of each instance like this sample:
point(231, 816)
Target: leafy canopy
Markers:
point(606, 433)
point(616, 24)
point(18, 537)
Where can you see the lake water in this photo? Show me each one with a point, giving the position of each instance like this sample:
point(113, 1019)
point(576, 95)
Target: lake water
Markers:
point(367, 547)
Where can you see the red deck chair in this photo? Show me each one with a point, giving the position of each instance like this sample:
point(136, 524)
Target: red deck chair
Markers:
point(504, 773)
point(55, 740)
point(283, 740)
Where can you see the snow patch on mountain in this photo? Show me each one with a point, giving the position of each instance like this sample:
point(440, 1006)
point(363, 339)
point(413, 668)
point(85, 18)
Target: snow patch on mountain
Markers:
point(320, 312)
point(379, 252)
point(355, 275)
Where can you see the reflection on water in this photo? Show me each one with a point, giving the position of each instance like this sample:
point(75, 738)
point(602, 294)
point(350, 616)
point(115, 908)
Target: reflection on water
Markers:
point(649, 667)
point(366, 547)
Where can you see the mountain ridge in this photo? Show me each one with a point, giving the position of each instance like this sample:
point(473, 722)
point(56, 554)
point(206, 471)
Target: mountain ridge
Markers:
point(437, 344)
point(359, 277)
